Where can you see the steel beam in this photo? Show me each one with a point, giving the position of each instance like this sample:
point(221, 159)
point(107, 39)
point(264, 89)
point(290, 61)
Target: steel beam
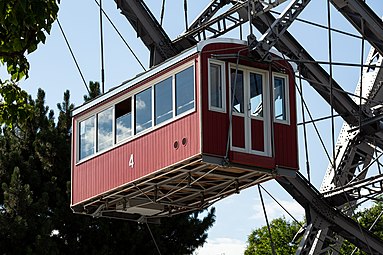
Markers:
point(148, 29)
point(353, 150)
point(314, 203)
point(364, 19)
point(320, 79)
point(279, 26)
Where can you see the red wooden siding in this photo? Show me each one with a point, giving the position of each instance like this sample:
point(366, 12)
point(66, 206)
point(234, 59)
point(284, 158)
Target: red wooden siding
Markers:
point(257, 135)
point(239, 131)
point(215, 125)
point(152, 151)
point(285, 136)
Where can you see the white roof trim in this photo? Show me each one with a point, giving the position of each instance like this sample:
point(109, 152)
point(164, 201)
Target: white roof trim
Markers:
point(129, 83)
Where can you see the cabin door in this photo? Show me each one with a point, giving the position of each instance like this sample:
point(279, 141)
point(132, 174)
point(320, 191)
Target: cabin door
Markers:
point(250, 132)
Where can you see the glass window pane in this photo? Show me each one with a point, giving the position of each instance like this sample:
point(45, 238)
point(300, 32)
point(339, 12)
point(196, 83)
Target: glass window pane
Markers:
point(163, 101)
point(143, 111)
point(237, 91)
point(256, 102)
point(215, 85)
point(185, 90)
point(280, 98)
point(105, 129)
point(123, 112)
point(87, 133)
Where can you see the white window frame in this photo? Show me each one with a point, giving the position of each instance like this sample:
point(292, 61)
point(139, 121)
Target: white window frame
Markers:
point(248, 117)
point(287, 98)
point(94, 113)
point(132, 116)
point(223, 90)
point(78, 138)
point(113, 130)
point(173, 74)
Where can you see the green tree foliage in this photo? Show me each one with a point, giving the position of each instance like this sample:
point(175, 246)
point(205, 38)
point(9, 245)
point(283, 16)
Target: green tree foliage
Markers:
point(282, 233)
point(23, 26)
point(35, 217)
point(366, 218)
point(94, 91)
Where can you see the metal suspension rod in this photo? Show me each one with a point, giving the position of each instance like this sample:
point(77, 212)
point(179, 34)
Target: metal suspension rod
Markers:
point(73, 56)
point(122, 38)
point(162, 12)
point(102, 51)
point(292, 216)
point(267, 221)
point(154, 240)
point(331, 84)
point(186, 15)
point(304, 131)
point(314, 125)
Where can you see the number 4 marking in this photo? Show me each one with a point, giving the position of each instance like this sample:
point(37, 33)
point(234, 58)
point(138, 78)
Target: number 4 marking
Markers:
point(131, 161)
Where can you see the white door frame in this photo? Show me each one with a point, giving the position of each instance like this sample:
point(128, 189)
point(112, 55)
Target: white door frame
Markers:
point(247, 111)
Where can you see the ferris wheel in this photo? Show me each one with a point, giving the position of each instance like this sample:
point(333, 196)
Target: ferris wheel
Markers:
point(353, 175)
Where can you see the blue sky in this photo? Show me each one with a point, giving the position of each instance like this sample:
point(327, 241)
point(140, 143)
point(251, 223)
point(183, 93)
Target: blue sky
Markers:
point(53, 69)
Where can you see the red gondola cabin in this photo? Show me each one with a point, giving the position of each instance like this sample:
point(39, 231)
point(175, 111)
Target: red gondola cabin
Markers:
point(168, 141)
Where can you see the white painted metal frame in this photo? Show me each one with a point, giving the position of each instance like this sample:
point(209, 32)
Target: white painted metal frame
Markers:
point(266, 119)
point(223, 88)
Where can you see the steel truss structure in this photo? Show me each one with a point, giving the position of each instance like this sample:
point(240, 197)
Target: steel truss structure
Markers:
point(360, 143)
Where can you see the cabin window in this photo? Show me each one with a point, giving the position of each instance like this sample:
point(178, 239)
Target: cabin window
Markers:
point(123, 112)
point(280, 98)
point(256, 94)
point(87, 139)
point(159, 103)
point(105, 129)
point(143, 110)
point(163, 101)
point(216, 86)
point(237, 90)
point(184, 90)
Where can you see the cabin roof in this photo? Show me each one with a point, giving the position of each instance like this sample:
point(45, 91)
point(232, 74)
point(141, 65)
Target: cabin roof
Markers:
point(154, 70)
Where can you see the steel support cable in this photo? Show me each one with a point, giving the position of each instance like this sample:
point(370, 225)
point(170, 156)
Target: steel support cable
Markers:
point(154, 240)
point(281, 206)
point(317, 120)
point(350, 206)
point(314, 125)
point(373, 197)
point(345, 64)
point(102, 51)
point(361, 78)
point(331, 85)
point(186, 14)
point(231, 107)
point(369, 165)
point(267, 221)
point(73, 56)
point(162, 12)
point(378, 163)
point(322, 26)
point(370, 228)
point(339, 90)
point(332, 113)
point(122, 38)
point(304, 130)
point(353, 214)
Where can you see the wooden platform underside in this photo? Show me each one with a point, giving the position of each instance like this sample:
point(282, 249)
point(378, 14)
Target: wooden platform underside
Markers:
point(188, 186)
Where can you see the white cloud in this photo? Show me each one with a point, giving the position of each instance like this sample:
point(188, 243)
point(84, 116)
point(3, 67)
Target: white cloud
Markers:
point(140, 104)
point(123, 131)
point(274, 210)
point(222, 246)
